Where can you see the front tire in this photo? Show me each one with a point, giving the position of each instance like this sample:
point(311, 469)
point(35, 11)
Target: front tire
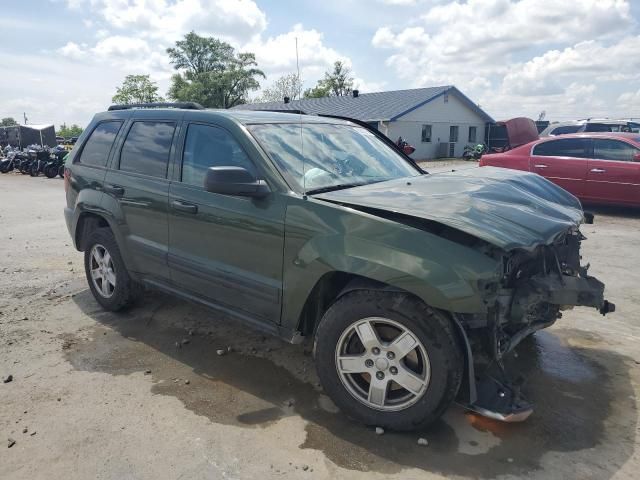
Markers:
point(106, 272)
point(387, 359)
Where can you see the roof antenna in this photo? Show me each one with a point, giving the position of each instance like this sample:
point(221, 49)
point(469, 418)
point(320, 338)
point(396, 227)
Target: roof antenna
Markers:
point(304, 176)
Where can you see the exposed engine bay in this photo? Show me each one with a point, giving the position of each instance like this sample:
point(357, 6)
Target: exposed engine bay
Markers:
point(536, 287)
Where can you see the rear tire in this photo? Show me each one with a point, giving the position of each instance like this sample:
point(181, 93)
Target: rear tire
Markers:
point(109, 281)
point(51, 171)
point(432, 370)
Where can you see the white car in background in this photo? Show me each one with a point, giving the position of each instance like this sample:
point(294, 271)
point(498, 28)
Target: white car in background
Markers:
point(590, 125)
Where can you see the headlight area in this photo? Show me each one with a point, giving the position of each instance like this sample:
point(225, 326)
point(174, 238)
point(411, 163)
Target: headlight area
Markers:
point(536, 286)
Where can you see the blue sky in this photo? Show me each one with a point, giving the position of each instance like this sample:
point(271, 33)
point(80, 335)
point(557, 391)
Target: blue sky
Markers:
point(64, 59)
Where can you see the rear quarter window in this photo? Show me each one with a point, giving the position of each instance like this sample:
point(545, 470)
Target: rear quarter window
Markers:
point(96, 149)
point(147, 147)
point(566, 129)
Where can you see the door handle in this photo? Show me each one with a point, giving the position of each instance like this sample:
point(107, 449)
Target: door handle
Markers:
point(114, 189)
point(598, 170)
point(540, 165)
point(184, 207)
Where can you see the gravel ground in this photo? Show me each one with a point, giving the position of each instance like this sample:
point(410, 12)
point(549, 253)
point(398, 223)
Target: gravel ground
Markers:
point(145, 394)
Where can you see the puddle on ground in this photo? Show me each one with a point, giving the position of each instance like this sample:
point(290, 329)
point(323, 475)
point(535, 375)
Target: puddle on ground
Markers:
point(578, 391)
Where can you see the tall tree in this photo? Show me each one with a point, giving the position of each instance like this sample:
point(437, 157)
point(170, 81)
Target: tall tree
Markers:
point(337, 82)
point(67, 132)
point(8, 122)
point(137, 89)
point(286, 86)
point(211, 72)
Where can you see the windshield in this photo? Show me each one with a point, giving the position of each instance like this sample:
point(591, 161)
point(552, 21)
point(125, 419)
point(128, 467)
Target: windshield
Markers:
point(332, 156)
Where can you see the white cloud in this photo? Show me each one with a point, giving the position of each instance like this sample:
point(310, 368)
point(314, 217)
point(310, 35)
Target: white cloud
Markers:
point(277, 55)
point(233, 20)
point(73, 51)
point(504, 52)
point(630, 102)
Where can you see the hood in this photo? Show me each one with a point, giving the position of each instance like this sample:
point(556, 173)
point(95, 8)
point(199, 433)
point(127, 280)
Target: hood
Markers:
point(507, 208)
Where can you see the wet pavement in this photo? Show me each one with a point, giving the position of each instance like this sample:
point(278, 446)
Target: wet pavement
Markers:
point(578, 386)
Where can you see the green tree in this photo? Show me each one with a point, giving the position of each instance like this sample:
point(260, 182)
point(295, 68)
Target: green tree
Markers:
point(211, 72)
point(67, 132)
point(286, 86)
point(336, 83)
point(8, 122)
point(137, 89)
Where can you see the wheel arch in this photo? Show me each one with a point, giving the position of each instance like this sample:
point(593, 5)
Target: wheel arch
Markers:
point(88, 222)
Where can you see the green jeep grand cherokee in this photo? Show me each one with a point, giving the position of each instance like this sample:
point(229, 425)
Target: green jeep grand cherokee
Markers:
point(413, 287)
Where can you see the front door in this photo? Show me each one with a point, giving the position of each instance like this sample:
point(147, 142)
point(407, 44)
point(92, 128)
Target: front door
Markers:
point(136, 187)
point(225, 249)
point(613, 174)
point(564, 162)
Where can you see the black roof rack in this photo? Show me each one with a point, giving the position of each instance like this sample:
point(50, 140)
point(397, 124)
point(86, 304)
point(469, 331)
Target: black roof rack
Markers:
point(182, 105)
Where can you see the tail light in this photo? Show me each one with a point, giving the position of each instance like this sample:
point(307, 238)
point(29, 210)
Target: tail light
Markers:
point(67, 180)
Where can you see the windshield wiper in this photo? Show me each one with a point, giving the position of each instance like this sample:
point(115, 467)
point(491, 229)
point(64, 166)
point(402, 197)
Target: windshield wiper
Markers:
point(333, 188)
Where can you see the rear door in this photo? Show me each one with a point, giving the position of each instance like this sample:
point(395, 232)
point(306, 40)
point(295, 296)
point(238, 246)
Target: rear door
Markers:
point(613, 176)
point(223, 248)
point(137, 189)
point(564, 161)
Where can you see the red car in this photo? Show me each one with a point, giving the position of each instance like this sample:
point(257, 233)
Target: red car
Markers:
point(598, 168)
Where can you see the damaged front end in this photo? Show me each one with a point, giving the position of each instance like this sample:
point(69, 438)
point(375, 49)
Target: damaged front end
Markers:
point(536, 286)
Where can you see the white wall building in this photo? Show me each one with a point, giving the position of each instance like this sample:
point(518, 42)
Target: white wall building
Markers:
point(437, 121)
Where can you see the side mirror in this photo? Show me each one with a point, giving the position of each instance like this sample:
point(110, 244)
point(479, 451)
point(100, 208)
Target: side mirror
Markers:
point(636, 157)
point(234, 181)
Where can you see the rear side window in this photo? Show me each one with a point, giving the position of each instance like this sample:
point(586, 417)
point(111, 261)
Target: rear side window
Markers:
point(206, 147)
point(146, 149)
point(566, 147)
point(566, 129)
point(97, 147)
point(605, 149)
point(600, 127)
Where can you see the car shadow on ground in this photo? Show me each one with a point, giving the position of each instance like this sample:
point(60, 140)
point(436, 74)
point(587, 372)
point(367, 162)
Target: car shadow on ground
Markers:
point(581, 389)
point(612, 211)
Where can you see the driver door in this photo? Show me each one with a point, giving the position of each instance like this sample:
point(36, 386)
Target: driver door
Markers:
point(225, 249)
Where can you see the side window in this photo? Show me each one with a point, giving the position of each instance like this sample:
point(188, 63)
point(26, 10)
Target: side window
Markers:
point(600, 127)
point(207, 146)
point(146, 148)
point(605, 149)
point(566, 129)
point(426, 133)
point(566, 147)
point(472, 134)
point(97, 147)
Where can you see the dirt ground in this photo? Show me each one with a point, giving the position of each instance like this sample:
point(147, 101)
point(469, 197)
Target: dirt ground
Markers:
point(144, 395)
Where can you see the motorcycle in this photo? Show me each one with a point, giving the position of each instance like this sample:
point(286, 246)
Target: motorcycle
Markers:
point(474, 152)
point(403, 145)
point(55, 165)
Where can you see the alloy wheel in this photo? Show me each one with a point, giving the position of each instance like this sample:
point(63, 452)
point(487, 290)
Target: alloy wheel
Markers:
point(382, 364)
point(103, 274)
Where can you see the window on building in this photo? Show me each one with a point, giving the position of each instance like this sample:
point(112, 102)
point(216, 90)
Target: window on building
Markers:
point(96, 150)
point(453, 133)
point(426, 133)
point(472, 134)
point(446, 98)
point(146, 149)
point(206, 147)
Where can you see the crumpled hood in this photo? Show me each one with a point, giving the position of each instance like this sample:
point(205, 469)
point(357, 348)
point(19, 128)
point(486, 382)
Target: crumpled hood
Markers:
point(507, 208)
